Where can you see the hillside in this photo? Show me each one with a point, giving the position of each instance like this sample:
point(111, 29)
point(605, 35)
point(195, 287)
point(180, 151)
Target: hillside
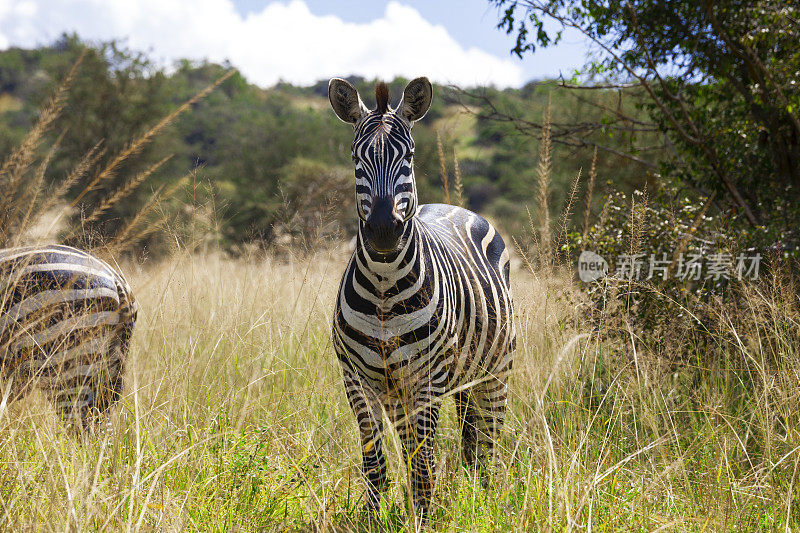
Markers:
point(256, 155)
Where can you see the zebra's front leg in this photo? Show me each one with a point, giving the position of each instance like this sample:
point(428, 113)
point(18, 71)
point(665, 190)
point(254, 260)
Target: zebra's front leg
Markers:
point(368, 414)
point(417, 431)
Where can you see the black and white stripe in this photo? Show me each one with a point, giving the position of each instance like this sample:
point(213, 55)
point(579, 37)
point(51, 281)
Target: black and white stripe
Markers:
point(430, 318)
point(66, 320)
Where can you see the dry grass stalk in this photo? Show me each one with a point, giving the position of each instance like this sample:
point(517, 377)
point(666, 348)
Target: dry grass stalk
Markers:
point(22, 202)
point(17, 164)
point(21, 158)
point(603, 218)
point(125, 237)
point(566, 215)
point(124, 191)
point(140, 142)
point(589, 194)
point(458, 184)
point(20, 205)
point(543, 182)
point(35, 190)
point(524, 253)
point(80, 169)
point(120, 239)
point(442, 167)
point(638, 220)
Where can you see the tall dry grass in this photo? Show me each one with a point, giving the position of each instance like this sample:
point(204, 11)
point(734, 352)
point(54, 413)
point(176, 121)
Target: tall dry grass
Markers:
point(443, 168)
point(542, 193)
point(234, 417)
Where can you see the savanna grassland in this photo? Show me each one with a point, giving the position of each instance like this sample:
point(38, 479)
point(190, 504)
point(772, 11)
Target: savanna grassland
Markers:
point(234, 418)
point(634, 405)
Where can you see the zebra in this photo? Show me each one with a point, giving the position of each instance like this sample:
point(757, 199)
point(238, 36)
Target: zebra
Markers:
point(424, 306)
point(66, 320)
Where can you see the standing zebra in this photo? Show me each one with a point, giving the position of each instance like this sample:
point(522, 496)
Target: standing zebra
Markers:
point(66, 320)
point(424, 306)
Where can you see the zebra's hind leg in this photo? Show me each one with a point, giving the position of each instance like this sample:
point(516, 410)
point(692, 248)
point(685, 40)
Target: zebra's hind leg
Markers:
point(84, 392)
point(106, 390)
point(490, 408)
point(369, 416)
point(465, 413)
point(81, 403)
point(109, 383)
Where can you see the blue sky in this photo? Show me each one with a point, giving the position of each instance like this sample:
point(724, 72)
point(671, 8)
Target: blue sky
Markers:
point(471, 23)
point(301, 41)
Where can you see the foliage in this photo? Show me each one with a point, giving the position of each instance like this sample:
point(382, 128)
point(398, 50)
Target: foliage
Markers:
point(720, 80)
point(508, 127)
point(672, 270)
point(318, 203)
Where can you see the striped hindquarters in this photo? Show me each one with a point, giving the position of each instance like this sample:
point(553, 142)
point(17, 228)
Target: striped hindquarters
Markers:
point(66, 319)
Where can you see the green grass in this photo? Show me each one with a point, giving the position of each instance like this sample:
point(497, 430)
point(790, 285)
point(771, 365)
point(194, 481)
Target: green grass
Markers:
point(234, 418)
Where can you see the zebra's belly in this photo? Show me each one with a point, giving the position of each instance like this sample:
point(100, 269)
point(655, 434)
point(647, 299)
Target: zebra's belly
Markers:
point(395, 372)
point(389, 357)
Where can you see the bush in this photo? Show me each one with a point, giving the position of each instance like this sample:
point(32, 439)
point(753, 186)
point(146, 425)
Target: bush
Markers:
point(673, 269)
point(318, 204)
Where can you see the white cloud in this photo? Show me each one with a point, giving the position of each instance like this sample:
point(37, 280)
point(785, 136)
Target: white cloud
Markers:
point(283, 41)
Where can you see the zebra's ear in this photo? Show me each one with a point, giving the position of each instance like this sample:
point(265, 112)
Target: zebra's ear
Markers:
point(345, 101)
point(417, 98)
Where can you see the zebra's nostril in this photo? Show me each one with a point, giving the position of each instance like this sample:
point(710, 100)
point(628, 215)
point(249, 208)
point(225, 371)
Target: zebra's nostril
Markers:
point(384, 226)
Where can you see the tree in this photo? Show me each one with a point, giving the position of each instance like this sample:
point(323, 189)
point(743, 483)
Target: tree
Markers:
point(720, 79)
point(117, 95)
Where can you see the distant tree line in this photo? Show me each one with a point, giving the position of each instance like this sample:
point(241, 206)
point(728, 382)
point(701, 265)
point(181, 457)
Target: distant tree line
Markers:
point(271, 166)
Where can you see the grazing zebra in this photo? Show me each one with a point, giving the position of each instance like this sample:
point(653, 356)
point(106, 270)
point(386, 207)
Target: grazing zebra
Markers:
point(66, 320)
point(424, 307)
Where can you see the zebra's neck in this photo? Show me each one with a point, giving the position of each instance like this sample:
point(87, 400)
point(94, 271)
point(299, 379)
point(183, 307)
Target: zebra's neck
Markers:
point(387, 271)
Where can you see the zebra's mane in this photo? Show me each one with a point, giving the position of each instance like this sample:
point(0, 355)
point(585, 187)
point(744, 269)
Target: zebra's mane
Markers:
point(382, 97)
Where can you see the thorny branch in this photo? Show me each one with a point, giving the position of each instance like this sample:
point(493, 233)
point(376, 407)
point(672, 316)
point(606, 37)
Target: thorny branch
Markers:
point(573, 135)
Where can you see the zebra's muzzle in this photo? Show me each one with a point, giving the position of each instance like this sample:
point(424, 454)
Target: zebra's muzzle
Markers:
point(384, 227)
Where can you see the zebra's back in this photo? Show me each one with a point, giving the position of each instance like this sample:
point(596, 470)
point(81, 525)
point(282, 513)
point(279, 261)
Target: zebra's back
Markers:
point(453, 224)
point(66, 318)
point(483, 311)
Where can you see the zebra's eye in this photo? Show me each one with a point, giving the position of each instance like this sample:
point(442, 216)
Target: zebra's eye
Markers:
point(409, 156)
point(355, 158)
